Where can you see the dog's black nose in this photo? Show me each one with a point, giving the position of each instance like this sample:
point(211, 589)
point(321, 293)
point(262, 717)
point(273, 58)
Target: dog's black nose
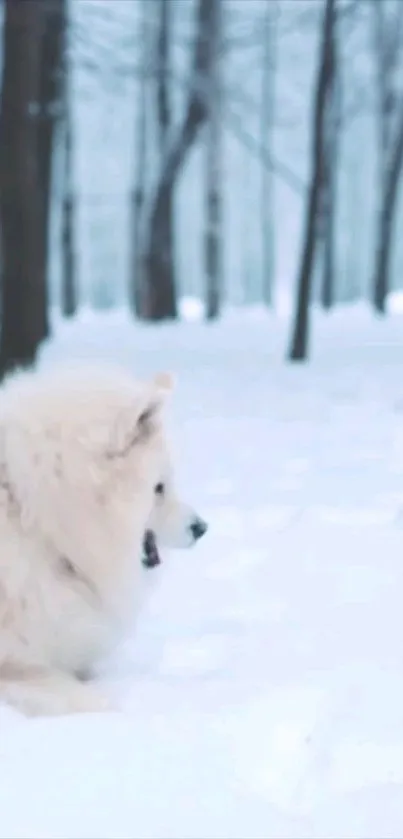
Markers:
point(198, 528)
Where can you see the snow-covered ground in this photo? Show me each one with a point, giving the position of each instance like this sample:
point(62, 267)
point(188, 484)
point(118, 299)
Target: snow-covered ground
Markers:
point(262, 695)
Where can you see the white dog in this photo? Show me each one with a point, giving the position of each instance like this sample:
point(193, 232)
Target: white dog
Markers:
point(85, 487)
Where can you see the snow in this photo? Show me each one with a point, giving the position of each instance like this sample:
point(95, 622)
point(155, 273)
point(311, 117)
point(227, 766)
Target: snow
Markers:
point(262, 694)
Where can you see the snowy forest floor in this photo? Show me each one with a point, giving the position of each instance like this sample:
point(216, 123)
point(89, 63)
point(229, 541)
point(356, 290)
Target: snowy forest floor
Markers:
point(262, 693)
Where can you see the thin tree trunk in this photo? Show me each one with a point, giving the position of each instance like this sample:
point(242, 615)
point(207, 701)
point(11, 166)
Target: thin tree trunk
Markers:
point(136, 281)
point(69, 278)
point(160, 291)
point(160, 300)
point(167, 254)
point(213, 235)
point(24, 297)
point(163, 73)
point(383, 67)
point(160, 267)
point(300, 338)
point(387, 41)
point(387, 218)
point(267, 127)
point(50, 100)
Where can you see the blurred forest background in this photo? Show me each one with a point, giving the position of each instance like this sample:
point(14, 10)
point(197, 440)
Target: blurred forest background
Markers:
point(179, 157)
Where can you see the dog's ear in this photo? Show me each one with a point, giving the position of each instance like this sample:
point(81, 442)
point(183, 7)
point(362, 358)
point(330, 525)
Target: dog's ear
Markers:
point(139, 422)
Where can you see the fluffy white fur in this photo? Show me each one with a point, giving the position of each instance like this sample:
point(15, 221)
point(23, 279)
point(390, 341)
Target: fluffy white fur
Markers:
point(81, 452)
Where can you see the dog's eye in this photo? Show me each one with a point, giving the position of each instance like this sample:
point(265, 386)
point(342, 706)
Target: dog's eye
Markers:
point(159, 489)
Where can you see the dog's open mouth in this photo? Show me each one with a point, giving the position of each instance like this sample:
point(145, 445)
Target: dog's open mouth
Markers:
point(151, 557)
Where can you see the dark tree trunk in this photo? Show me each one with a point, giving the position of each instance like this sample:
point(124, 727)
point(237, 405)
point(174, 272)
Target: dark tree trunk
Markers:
point(213, 235)
point(388, 33)
point(69, 280)
point(165, 273)
point(163, 73)
point(213, 255)
point(386, 222)
point(24, 297)
point(69, 268)
point(159, 286)
point(159, 293)
point(299, 343)
point(382, 258)
point(51, 104)
point(136, 289)
point(160, 300)
point(69, 290)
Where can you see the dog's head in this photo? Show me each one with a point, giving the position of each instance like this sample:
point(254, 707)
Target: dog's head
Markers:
point(172, 523)
point(89, 461)
point(139, 447)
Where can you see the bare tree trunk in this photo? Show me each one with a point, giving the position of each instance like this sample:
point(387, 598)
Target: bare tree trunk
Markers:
point(160, 291)
point(267, 127)
point(299, 342)
point(167, 255)
point(136, 281)
point(213, 234)
point(379, 287)
point(163, 60)
point(388, 49)
point(51, 105)
point(160, 268)
point(386, 221)
point(69, 278)
point(332, 143)
point(24, 297)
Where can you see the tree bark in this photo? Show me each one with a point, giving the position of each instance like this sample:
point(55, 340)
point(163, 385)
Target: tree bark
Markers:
point(69, 302)
point(213, 245)
point(22, 211)
point(163, 60)
point(69, 278)
point(166, 272)
point(300, 338)
point(160, 290)
point(387, 39)
point(386, 222)
point(50, 96)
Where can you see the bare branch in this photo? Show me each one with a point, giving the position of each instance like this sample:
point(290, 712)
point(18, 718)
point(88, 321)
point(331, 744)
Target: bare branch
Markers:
point(237, 125)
